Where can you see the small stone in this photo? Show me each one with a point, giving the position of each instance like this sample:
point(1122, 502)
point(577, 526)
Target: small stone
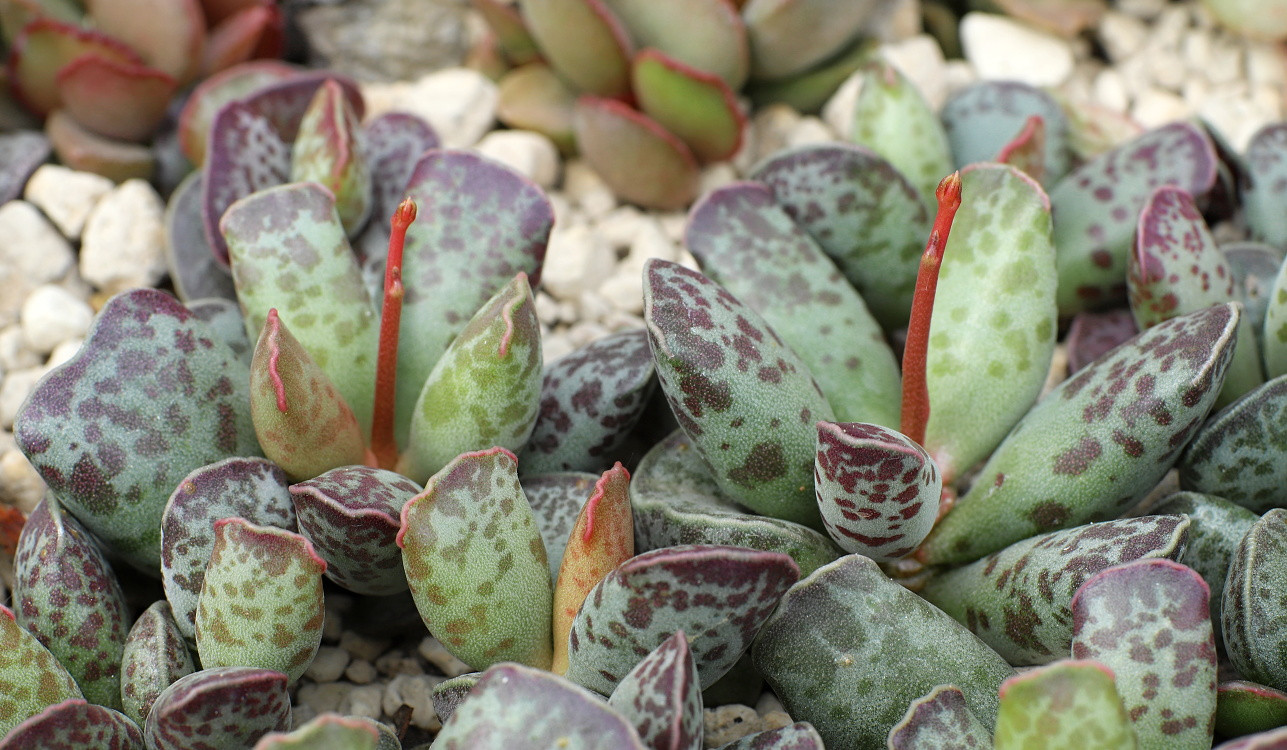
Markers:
point(1003, 49)
point(624, 291)
point(767, 134)
point(438, 655)
point(124, 239)
point(555, 346)
point(362, 646)
point(1110, 91)
point(17, 385)
point(1121, 35)
point(593, 306)
point(362, 700)
point(809, 130)
point(1266, 65)
point(547, 310)
point(576, 260)
point(323, 697)
point(20, 483)
point(459, 103)
point(585, 188)
point(383, 39)
point(1157, 107)
point(774, 720)
point(717, 175)
point(921, 60)
point(838, 112)
point(332, 626)
point(397, 662)
point(14, 354)
point(584, 333)
point(301, 715)
point(66, 196)
point(724, 724)
point(416, 692)
point(530, 154)
point(360, 672)
point(63, 352)
point(1143, 9)
point(619, 227)
point(328, 664)
point(1166, 69)
point(32, 252)
point(52, 315)
point(1226, 64)
point(958, 74)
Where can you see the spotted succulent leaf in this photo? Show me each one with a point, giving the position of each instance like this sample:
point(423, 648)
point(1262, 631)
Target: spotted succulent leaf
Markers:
point(153, 394)
point(677, 501)
point(1001, 242)
point(718, 596)
point(224, 318)
point(31, 678)
point(1149, 622)
point(195, 272)
point(475, 563)
point(661, 697)
point(327, 151)
point(1244, 707)
point(940, 720)
point(289, 253)
point(1266, 184)
point(66, 595)
point(584, 41)
point(330, 731)
point(517, 706)
point(1237, 454)
point(1064, 706)
point(1099, 203)
point(245, 153)
point(251, 488)
point(156, 655)
point(21, 152)
point(1096, 443)
point(556, 501)
point(1274, 335)
point(352, 514)
point(849, 649)
point(983, 117)
point(590, 401)
point(392, 144)
point(862, 212)
point(75, 724)
point(219, 707)
point(449, 694)
point(1254, 602)
point(485, 390)
point(878, 491)
point(1255, 266)
point(798, 736)
point(479, 224)
point(261, 601)
point(1093, 334)
point(696, 105)
point(749, 245)
point(741, 394)
point(208, 97)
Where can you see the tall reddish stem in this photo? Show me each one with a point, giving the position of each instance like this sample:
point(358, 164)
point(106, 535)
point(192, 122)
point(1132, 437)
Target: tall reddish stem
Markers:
point(383, 444)
point(916, 405)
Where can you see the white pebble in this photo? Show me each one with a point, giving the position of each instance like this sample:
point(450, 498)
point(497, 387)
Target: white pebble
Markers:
point(328, 664)
point(32, 252)
point(724, 724)
point(323, 697)
point(66, 196)
point(619, 226)
point(1110, 91)
point(64, 352)
point(459, 103)
point(1266, 65)
point(554, 346)
point(575, 261)
point(52, 315)
point(717, 175)
point(416, 692)
point(360, 672)
point(362, 700)
point(20, 483)
point(807, 131)
point(838, 112)
point(363, 647)
point(921, 60)
point(396, 662)
point(17, 385)
point(1157, 107)
point(624, 291)
point(530, 154)
point(1121, 35)
point(585, 188)
point(1001, 48)
point(438, 655)
point(14, 354)
point(123, 245)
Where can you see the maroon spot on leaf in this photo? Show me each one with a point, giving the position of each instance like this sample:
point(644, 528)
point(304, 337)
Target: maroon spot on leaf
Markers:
point(1049, 515)
point(1078, 458)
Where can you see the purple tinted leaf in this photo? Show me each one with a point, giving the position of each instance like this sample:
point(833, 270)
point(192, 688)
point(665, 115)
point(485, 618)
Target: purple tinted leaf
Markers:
point(849, 649)
point(1245, 708)
point(556, 499)
point(75, 725)
point(878, 491)
point(66, 595)
point(352, 515)
point(224, 318)
point(249, 488)
point(31, 678)
point(1149, 622)
point(1069, 705)
point(20, 153)
point(981, 118)
point(156, 655)
point(392, 144)
point(193, 268)
point(1019, 600)
point(225, 707)
point(449, 694)
point(719, 595)
point(590, 401)
point(284, 102)
point(1254, 602)
point(940, 720)
point(327, 151)
point(661, 697)
point(1238, 453)
point(155, 394)
point(245, 154)
point(798, 736)
point(1094, 334)
point(1266, 184)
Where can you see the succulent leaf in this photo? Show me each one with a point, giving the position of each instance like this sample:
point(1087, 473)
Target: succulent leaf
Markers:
point(168, 35)
point(254, 30)
point(1263, 741)
point(43, 47)
point(584, 41)
point(1255, 266)
point(391, 145)
point(1237, 453)
point(981, 118)
point(75, 724)
point(449, 694)
point(114, 465)
point(1274, 335)
point(808, 91)
point(798, 736)
point(747, 244)
point(475, 562)
point(228, 707)
point(1026, 152)
point(712, 37)
point(209, 96)
point(261, 601)
point(533, 97)
point(661, 697)
point(66, 595)
point(1091, 335)
point(862, 212)
point(556, 501)
point(245, 153)
point(744, 398)
point(516, 43)
point(719, 597)
point(114, 98)
point(21, 152)
point(224, 317)
point(1065, 706)
point(1266, 165)
point(195, 272)
point(1245, 708)
point(31, 678)
point(697, 106)
point(940, 720)
point(1253, 602)
point(327, 150)
point(639, 159)
point(1096, 443)
point(849, 649)
point(330, 731)
point(789, 36)
point(156, 655)
point(251, 488)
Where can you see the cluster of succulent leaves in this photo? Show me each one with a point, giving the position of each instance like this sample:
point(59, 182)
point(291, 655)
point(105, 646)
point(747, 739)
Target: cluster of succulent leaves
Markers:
point(233, 449)
point(103, 74)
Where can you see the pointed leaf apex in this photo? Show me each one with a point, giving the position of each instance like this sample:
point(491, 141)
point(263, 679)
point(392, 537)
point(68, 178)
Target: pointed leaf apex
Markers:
point(507, 312)
point(617, 473)
point(273, 326)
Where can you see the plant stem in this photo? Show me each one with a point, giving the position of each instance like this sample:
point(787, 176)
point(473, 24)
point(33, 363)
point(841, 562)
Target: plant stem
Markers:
point(916, 405)
point(383, 444)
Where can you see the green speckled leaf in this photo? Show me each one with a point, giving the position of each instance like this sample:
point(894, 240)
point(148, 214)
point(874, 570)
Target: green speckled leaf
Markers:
point(590, 401)
point(75, 724)
point(326, 151)
point(249, 488)
point(584, 41)
point(1000, 242)
point(156, 655)
point(31, 679)
point(66, 595)
point(1071, 705)
point(1098, 204)
point(485, 390)
point(153, 394)
point(449, 694)
point(940, 720)
point(677, 501)
point(1275, 327)
point(513, 706)
point(848, 650)
point(1149, 622)
point(878, 491)
point(352, 515)
point(749, 245)
point(1266, 184)
point(225, 707)
point(476, 564)
point(261, 601)
point(1239, 452)
point(1019, 600)
point(695, 105)
point(1255, 266)
point(661, 697)
point(639, 159)
point(302, 422)
point(718, 596)
point(1245, 708)
point(983, 117)
point(862, 212)
point(1255, 603)
point(744, 398)
point(328, 732)
point(798, 736)
point(556, 499)
point(892, 118)
point(479, 223)
point(1096, 443)
point(224, 318)
point(289, 252)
